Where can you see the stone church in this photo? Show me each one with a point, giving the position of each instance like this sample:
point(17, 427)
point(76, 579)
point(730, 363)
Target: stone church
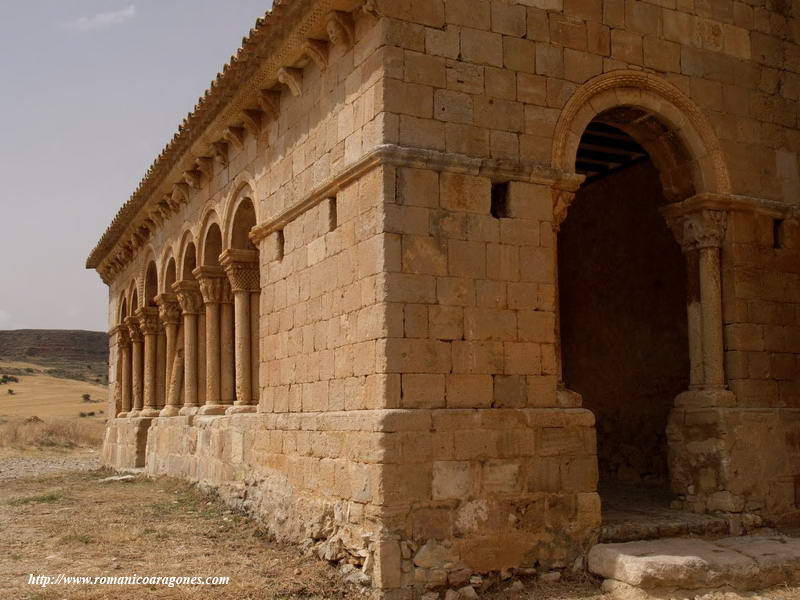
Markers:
point(450, 287)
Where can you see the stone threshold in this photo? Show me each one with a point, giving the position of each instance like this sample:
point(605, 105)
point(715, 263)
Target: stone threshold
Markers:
point(663, 568)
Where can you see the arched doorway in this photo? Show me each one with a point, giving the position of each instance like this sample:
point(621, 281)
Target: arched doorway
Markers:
point(622, 290)
point(652, 163)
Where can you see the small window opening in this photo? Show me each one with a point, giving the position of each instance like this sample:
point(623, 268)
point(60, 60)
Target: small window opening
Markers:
point(777, 233)
point(281, 243)
point(500, 200)
point(333, 219)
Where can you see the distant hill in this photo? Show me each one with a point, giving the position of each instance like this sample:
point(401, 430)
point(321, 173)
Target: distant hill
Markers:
point(81, 355)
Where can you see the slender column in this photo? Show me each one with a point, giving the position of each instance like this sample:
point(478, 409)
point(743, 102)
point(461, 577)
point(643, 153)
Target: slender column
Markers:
point(694, 319)
point(562, 199)
point(136, 365)
point(124, 381)
point(241, 266)
point(227, 365)
point(161, 368)
point(190, 301)
point(212, 287)
point(255, 339)
point(148, 323)
point(169, 312)
point(700, 231)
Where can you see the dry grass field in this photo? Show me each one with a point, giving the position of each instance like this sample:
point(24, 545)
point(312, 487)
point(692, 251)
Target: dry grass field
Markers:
point(45, 396)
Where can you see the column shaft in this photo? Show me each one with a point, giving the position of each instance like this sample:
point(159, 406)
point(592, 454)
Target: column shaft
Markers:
point(694, 314)
point(711, 302)
point(226, 353)
point(255, 337)
point(148, 322)
point(125, 357)
point(190, 400)
point(212, 355)
point(244, 382)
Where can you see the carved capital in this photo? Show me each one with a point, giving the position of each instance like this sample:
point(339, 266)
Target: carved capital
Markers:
point(148, 321)
point(188, 294)
point(562, 199)
point(340, 28)
point(133, 329)
point(291, 78)
point(214, 285)
point(123, 336)
point(168, 309)
point(241, 266)
point(699, 229)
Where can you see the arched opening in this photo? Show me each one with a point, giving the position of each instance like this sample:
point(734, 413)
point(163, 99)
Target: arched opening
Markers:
point(212, 246)
point(623, 301)
point(189, 262)
point(151, 285)
point(169, 275)
point(123, 311)
point(243, 221)
point(242, 263)
point(134, 301)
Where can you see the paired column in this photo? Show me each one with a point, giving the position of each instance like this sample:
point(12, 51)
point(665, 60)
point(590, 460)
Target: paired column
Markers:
point(136, 366)
point(190, 301)
point(215, 291)
point(241, 267)
point(124, 370)
point(169, 313)
point(149, 326)
point(700, 232)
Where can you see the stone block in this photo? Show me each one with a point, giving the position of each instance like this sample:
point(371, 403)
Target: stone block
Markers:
point(451, 480)
point(469, 391)
point(465, 193)
point(423, 391)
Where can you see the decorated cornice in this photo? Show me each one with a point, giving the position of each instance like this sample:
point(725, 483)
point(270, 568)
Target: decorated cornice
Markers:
point(233, 104)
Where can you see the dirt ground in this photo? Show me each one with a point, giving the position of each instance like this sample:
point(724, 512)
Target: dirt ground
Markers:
point(54, 521)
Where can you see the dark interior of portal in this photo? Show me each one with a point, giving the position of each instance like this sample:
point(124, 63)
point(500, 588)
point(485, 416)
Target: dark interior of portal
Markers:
point(622, 288)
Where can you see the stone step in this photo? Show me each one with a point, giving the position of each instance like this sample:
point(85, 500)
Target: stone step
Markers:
point(742, 563)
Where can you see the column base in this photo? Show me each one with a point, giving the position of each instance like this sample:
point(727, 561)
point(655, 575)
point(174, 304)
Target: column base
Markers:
point(188, 411)
point(237, 409)
point(707, 397)
point(213, 409)
point(122, 415)
point(150, 412)
point(170, 411)
point(567, 398)
point(134, 413)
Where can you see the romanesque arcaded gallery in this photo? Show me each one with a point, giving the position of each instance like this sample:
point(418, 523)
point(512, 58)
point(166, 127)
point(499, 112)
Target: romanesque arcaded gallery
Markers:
point(436, 284)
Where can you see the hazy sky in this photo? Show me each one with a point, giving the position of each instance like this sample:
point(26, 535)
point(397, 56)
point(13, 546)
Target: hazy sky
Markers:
point(91, 91)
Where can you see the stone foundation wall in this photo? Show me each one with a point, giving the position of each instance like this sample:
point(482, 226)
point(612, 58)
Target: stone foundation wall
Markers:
point(125, 442)
point(737, 460)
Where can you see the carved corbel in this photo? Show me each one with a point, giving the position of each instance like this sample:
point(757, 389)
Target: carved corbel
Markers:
point(234, 136)
point(205, 165)
point(180, 193)
point(270, 103)
point(252, 120)
point(291, 78)
point(193, 178)
point(340, 28)
point(220, 152)
point(317, 51)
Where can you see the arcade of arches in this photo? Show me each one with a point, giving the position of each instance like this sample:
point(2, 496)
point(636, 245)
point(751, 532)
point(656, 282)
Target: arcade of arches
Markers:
point(193, 345)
